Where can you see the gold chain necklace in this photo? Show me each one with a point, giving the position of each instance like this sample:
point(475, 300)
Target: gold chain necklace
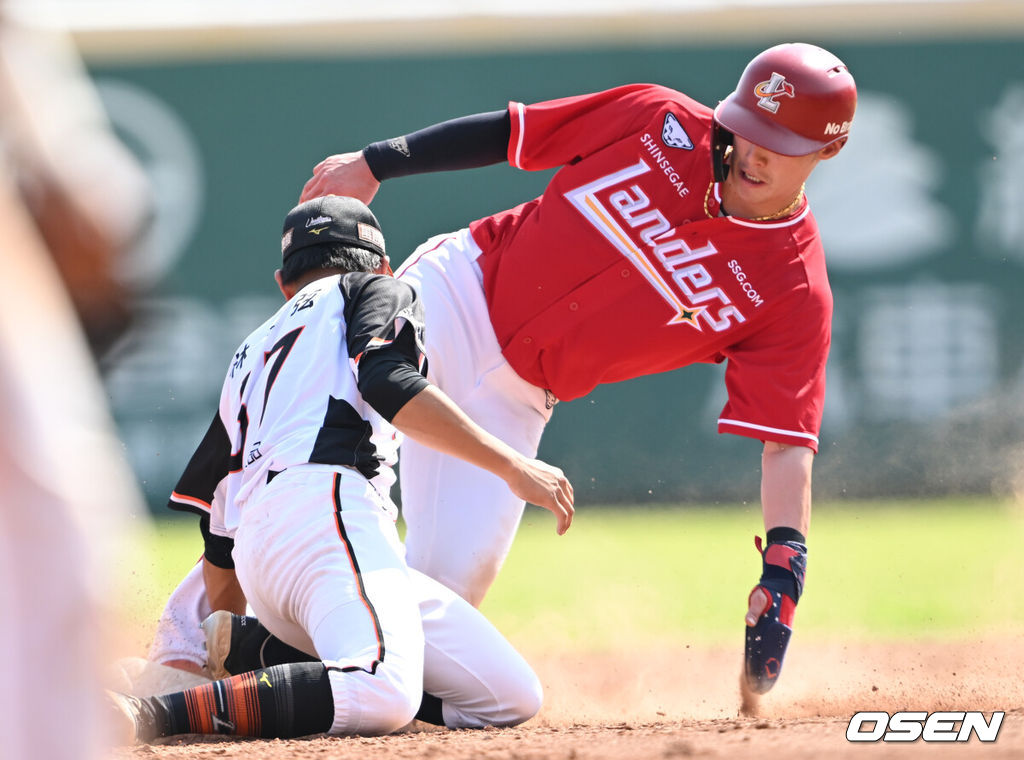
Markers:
point(707, 197)
point(777, 215)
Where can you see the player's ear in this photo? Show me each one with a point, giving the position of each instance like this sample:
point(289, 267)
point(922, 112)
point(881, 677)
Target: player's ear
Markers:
point(830, 150)
point(286, 290)
point(385, 267)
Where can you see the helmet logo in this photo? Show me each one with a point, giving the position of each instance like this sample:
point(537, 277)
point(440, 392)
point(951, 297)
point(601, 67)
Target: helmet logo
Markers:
point(770, 89)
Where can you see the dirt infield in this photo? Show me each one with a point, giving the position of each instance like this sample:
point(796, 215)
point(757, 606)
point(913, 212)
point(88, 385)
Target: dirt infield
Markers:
point(680, 702)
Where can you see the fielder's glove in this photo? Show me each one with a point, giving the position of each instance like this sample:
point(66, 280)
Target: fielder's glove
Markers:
point(772, 605)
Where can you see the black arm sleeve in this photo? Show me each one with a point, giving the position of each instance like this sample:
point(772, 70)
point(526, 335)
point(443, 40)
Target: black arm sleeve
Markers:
point(217, 549)
point(463, 143)
point(384, 332)
point(388, 377)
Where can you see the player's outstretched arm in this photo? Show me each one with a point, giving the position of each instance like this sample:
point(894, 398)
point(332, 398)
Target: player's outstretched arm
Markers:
point(384, 319)
point(433, 419)
point(342, 174)
point(786, 502)
point(464, 143)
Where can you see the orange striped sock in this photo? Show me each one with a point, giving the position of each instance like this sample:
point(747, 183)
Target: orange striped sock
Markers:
point(283, 701)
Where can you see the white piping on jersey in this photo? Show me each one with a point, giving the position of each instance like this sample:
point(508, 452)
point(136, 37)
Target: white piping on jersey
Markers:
point(521, 116)
point(760, 225)
point(769, 225)
point(765, 428)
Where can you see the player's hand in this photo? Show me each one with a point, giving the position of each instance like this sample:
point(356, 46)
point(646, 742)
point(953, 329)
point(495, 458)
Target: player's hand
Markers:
point(342, 174)
point(546, 486)
point(770, 610)
point(758, 603)
point(433, 419)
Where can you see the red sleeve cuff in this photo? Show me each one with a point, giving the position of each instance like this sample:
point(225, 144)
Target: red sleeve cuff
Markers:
point(517, 115)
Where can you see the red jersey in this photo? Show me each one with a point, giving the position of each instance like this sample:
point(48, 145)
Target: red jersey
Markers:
point(617, 271)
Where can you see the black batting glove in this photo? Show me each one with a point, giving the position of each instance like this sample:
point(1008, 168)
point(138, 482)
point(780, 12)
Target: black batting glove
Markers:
point(771, 607)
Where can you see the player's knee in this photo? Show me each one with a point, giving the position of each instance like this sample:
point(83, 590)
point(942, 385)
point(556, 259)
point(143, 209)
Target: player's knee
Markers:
point(394, 708)
point(399, 711)
point(524, 701)
point(373, 704)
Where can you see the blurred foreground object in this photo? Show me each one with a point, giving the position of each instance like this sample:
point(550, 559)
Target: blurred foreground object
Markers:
point(86, 194)
point(65, 491)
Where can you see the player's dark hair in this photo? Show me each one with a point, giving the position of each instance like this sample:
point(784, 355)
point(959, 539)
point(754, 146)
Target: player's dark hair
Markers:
point(328, 256)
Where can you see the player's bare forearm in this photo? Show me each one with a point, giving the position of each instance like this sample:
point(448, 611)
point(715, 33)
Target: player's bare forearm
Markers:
point(434, 420)
point(785, 497)
point(222, 589)
point(342, 174)
point(786, 486)
point(771, 605)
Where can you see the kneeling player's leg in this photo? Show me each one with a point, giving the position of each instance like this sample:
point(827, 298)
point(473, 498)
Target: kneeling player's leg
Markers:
point(472, 676)
point(321, 565)
point(281, 702)
point(373, 650)
point(323, 574)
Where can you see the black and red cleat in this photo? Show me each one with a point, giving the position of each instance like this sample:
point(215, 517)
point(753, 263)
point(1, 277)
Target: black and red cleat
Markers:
point(772, 607)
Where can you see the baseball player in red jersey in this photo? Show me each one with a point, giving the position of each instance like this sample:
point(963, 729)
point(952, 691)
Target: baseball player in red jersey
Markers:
point(672, 233)
point(293, 478)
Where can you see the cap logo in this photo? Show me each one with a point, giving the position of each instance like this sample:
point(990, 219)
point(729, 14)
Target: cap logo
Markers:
point(770, 89)
point(315, 220)
point(370, 234)
point(286, 239)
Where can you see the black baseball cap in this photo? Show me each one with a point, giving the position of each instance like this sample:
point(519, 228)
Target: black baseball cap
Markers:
point(331, 218)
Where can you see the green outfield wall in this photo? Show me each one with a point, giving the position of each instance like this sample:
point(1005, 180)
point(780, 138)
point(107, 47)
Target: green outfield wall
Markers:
point(922, 213)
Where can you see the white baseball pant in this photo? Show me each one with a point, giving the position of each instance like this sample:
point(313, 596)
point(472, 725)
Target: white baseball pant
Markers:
point(301, 585)
point(461, 520)
point(320, 562)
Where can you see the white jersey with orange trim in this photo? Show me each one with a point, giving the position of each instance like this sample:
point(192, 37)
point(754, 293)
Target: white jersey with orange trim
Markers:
point(294, 475)
point(290, 396)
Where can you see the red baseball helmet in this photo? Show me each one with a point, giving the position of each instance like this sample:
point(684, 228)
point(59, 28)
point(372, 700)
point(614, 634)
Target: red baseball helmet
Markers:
point(792, 99)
